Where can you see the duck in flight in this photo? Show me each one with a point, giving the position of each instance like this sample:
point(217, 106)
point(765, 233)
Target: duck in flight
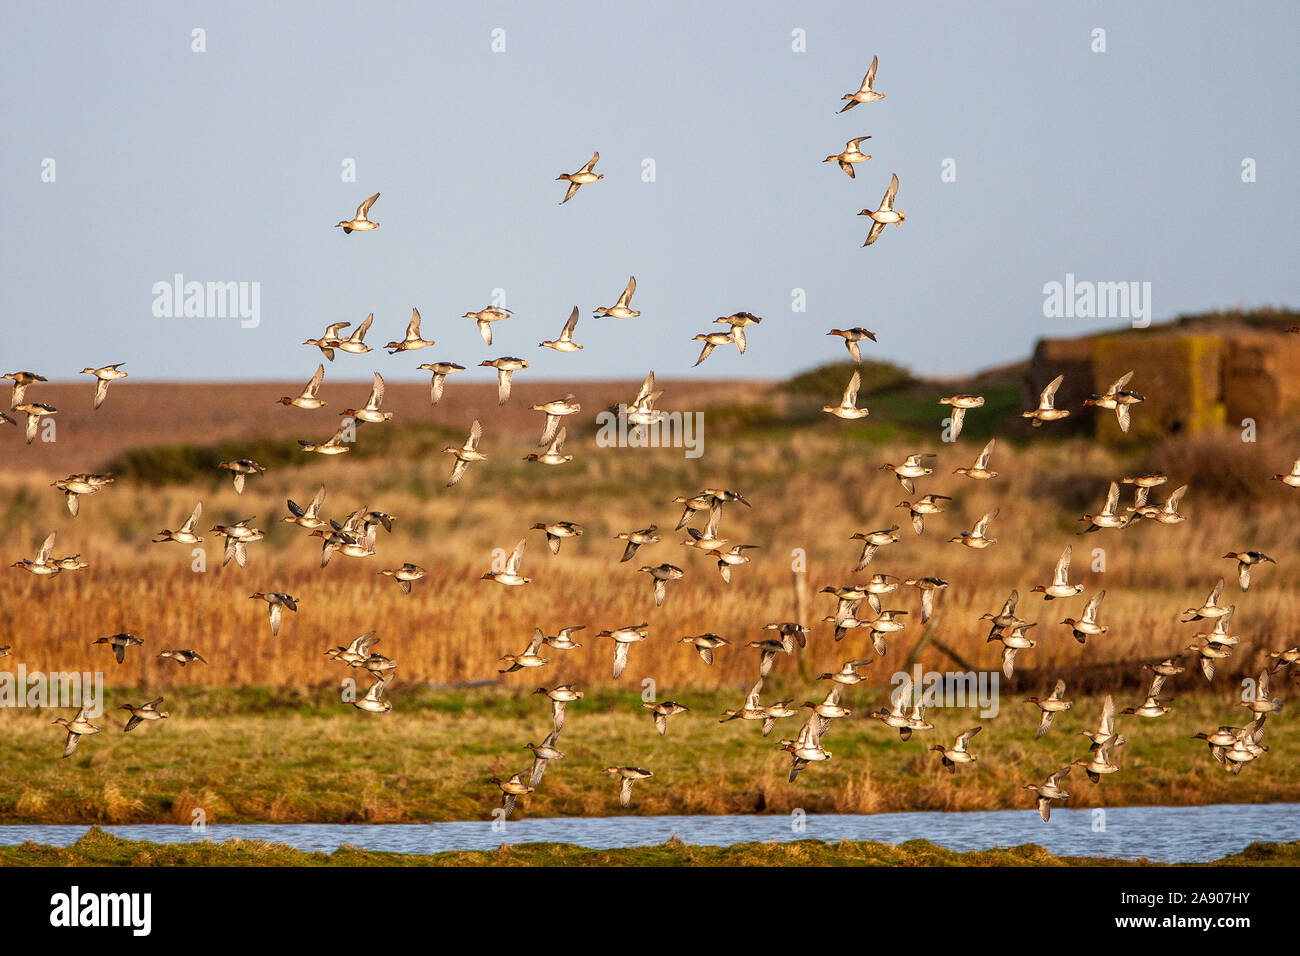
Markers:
point(851, 339)
point(413, 340)
point(484, 318)
point(330, 340)
point(852, 154)
point(307, 397)
point(440, 372)
point(78, 727)
point(359, 222)
point(848, 406)
point(466, 453)
point(1046, 410)
point(104, 375)
point(622, 309)
point(580, 178)
point(865, 93)
point(565, 342)
point(886, 214)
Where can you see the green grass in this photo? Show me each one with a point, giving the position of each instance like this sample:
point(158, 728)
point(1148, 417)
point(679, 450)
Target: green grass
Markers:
point(156, 465)
point(254, 755)
point(97, 848)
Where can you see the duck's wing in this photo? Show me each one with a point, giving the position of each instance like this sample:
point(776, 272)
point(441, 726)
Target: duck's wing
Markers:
point(376, 393)
point(1058, 692)
point(591, 163)
point(535, 644)
point(557, 716)
point(193, 519)
point(1090, 609)
point(1140, 494)
point(902, 696)
point(853, 144)
point(1009, 607)
point(876, 229)
point(435, 387)
point(413, 326)
point(1213, 599)
point(332, 331)
point(625, 299)
point(516, 556)
point(364, 208)
point(983, 460)
point(570, 192)
point(1049, 393)
point(47, 547)
point(557, 443)
point(1107, 726)
point(851, 393)
point(833, 698)
point(1044, 723)
point(870, 78)
point(620, 658)
point(1175, 498)
point(1061, 575)
point(1112, 499)
point(538, 769)
point(958, 417)
point(751, 699)
point(457, 471)
point(503, 385)
point(475, 433)
point(888, 202)
point(360, 333)
point(101, 391)
point(964, 739)
point(1122, 416)
point(317, 501)
point(1120, 383)
point(1157, 685)
point(566, 333)
point(625, 792)
point(310, 390)
point(982, 526)
point(715, 519)
point(646, 387)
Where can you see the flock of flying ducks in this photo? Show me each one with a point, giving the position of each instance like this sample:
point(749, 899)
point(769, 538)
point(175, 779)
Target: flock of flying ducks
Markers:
point(1230, 746)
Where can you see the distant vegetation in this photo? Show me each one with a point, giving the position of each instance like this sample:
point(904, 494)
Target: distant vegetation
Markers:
point(189, 463)
point(97, 848)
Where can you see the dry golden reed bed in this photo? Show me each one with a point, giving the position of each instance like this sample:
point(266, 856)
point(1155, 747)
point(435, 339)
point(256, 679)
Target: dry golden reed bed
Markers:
point(811, 489)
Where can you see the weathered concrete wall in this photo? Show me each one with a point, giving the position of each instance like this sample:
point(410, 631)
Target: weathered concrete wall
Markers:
point(1262, 377)
point(1181, 377)
point(1193, 378)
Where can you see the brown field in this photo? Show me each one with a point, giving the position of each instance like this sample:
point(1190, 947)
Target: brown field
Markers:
point(811, 488)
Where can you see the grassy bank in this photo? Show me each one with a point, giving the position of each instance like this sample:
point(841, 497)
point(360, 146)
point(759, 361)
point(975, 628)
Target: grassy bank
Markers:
point(98, 848)
point(255, 755)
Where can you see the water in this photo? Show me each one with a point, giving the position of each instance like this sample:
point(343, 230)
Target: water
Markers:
point(1165, 834)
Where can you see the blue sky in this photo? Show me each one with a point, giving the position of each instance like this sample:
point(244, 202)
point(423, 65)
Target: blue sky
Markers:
point(226, 166)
